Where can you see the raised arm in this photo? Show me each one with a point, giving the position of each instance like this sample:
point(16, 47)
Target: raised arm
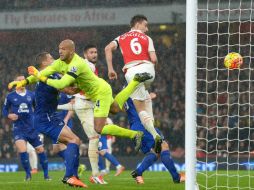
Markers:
point(151, 51)
point(32, 79)
point(112, 46)
point(49, 70)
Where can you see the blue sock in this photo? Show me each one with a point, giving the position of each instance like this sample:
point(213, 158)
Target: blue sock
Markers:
point(112, 159)
point(24, 158)
point(61, 154)
point(148, 160)
point(169, 164)
point(101, 163)
point(76, 164)
point(71, 154)
point(44, 163)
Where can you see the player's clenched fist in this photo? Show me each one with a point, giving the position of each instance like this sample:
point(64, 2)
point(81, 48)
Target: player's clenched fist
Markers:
point(112, 74)
point(18, 84)
point(33, 71)
point(12, 84)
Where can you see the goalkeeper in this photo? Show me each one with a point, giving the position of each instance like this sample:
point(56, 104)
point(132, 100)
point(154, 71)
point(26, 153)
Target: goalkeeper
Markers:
point(77, 72)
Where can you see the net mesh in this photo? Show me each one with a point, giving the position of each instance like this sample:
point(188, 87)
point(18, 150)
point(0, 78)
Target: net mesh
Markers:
point(225, 113)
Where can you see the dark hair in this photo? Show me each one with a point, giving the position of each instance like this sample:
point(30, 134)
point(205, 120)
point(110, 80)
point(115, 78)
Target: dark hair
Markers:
point(136, 19)
point(89, 46)
point(39, 58)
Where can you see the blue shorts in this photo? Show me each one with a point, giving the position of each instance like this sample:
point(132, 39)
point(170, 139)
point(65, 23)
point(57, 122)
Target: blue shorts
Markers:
point(49, 125)
point(31, 136)
point(103, 143)
point(61, 115)
point(147, 141)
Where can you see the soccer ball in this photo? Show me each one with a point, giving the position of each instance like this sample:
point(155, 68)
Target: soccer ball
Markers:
point(233, 60)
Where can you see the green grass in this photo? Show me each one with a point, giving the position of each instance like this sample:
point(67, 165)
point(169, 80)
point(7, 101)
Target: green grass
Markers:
point(153, 181)
point(234, 180)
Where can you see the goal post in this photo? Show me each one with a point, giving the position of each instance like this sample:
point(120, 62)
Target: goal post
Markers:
point(190, 94)
point(219, 113)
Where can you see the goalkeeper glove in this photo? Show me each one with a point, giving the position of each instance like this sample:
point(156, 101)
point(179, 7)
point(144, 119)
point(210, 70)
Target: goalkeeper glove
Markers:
point(18, 84)
point(33, 71)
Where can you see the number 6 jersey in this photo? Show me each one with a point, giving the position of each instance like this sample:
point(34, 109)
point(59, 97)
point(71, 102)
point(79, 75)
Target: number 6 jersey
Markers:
point(135, 47)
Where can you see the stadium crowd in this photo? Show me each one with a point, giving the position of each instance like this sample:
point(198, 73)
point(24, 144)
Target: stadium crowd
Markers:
point(225, 124)
point(16, 55)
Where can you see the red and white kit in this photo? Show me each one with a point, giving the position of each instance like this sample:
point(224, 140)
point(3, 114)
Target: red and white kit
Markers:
point(135, 47)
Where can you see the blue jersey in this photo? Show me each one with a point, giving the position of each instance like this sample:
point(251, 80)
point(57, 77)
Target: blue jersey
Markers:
point(136, 125)
point(21, 106)
point(64, 99)
point(46, 98)
point(131, 112)
point(46, 120)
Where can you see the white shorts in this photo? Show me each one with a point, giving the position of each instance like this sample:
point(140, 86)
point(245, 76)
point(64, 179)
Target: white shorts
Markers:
point(86, 117)
point(141, 92)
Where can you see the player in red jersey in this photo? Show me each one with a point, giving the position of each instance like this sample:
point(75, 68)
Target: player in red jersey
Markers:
point(139, 56)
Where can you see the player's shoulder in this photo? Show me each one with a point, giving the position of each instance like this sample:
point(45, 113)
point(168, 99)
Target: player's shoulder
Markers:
point(77, 61)
point(58, 64)
point(29, 92)
point(11, 94)
point(57, 61)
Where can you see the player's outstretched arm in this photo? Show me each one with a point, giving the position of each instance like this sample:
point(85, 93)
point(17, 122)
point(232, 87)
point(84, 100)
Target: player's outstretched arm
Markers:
point(109, 55)
point(65, 81)
point(18, 84)
point(49, 70)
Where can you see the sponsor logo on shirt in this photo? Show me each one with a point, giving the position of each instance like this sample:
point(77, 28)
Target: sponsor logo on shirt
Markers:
point(23, 108)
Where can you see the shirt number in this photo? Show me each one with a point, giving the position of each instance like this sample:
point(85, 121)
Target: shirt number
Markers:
point(136, 47)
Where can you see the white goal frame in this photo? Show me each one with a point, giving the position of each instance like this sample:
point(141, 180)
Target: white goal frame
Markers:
point(190, 94)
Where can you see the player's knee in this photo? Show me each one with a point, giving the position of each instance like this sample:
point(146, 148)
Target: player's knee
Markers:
point(39, 149)
point(102, 152)
point(77, 140)
point(114, 109)
point(74, 140)
point(164, 146)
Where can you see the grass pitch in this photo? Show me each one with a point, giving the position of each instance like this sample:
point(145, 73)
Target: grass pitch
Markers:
point(221, 180)
point(226, 180)
point(153, 181)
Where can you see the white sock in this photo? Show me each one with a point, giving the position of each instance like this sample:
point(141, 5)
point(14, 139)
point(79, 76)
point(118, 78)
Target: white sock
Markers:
point(147, 121)
point(149, 107)
point(33, 159)
point(108, 165)
point(93, 156)
point(118, 166)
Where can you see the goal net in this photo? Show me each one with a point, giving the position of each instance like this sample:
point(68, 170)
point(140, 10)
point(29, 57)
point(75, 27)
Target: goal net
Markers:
point(225, 97)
